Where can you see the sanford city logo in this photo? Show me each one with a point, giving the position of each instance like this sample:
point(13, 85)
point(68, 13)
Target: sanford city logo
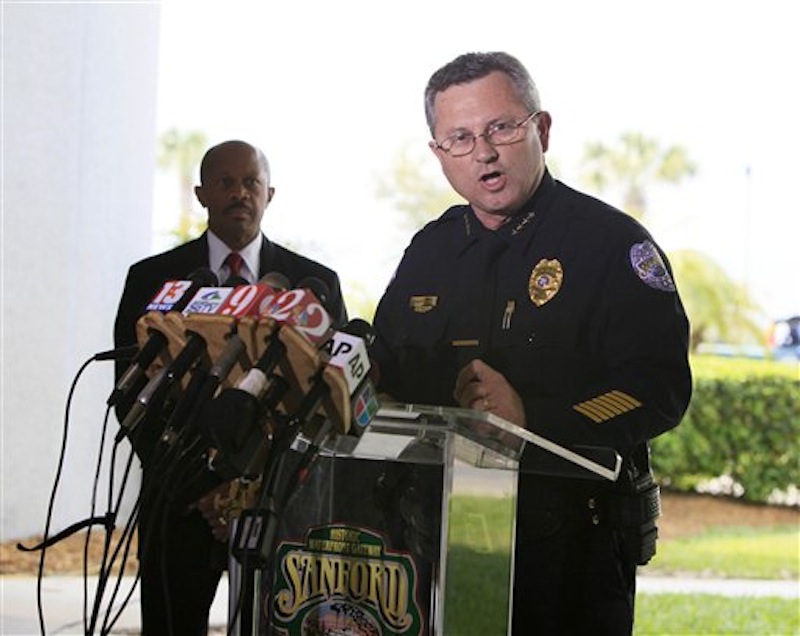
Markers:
point(344, 581)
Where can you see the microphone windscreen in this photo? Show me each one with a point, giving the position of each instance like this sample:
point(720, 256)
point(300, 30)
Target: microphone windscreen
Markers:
point(361, 328)
point(203, 277)
point(276, 280)
point(318, 288)
point(235, 281)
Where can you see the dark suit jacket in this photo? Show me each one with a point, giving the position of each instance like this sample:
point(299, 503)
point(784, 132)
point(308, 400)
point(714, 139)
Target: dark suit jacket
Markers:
point(146, 277)
point(189, 578)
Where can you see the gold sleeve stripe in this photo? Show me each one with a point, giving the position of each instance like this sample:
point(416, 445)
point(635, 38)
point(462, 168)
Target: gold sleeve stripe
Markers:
point(607, 406)
point(595, 410)
point(618, 402)
point(629, 401)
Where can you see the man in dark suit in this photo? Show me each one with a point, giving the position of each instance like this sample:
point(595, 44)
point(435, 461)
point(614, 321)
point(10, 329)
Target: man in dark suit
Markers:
point(180, 560)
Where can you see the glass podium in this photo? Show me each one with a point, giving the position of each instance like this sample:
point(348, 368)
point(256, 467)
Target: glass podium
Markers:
point(405, 529)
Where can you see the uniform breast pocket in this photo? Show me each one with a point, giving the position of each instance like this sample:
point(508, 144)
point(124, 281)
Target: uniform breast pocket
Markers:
point(545, 365)
point(424, 330)
point(429, 363)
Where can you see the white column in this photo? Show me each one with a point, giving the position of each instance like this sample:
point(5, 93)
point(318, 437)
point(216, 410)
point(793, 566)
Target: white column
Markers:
point(78, 150)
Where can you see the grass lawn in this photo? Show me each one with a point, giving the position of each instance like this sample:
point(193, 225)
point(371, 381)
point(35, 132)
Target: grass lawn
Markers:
point(479, 563)
point(736, 552)
point(701, 614)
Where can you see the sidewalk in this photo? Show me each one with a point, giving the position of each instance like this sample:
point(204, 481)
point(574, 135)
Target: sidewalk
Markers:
point(62, 605)
point(62, 600)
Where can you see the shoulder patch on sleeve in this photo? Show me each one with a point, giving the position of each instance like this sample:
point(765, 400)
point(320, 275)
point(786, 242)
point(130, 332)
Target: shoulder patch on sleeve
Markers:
point(650, 267)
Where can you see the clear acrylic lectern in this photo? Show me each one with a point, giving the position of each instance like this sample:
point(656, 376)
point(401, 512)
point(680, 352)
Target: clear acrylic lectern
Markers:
point(407, 529)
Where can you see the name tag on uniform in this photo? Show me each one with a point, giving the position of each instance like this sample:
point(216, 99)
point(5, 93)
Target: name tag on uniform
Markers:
point(422, 304)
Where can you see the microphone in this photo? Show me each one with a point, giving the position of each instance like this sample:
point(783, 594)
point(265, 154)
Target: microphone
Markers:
point(292, 325)
point(244, 332)
point(204, 383)
point(348, 354)
point(363, 405)
point(293, 321)
point(361, 328)
point(122, 353)
point(343, 378)
point(331, 376)
point(305, 312)
point(236, 331)
point(228, 319)
point(173, 296)
point(207, 300)
point(194, 321)
point(230, 329)
point(318, 287)
point(364, 402)
point(277, 281)
point(347, 374)
point(155, 391)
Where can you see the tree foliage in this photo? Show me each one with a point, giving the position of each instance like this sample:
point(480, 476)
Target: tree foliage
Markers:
point(412, 192)
point(633, 165)
point(719, 309)
point(182, 151)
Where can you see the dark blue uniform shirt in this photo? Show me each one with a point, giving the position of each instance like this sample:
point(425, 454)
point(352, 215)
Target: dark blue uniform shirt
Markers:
point(572, 301)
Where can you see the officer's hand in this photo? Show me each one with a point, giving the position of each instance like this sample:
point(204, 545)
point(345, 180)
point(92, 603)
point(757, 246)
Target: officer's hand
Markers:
point(480, 387)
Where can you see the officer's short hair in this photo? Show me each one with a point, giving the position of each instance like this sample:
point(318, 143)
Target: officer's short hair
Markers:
point(472, 66)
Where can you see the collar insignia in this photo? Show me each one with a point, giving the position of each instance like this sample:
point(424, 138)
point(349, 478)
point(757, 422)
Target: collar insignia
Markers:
point(545, 281)
point(650, 267)
point(422, 304)
point(523, 222)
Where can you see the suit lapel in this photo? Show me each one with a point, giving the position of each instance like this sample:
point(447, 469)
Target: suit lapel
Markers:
point(266, 258)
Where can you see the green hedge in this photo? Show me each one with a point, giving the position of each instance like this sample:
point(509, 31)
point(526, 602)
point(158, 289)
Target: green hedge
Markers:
point(743, 422)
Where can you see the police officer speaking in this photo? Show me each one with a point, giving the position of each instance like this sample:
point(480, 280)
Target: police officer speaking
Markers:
point(554, 311)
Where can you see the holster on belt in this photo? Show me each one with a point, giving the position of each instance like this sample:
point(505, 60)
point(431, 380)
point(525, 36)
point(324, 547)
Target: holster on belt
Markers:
point(633, 510)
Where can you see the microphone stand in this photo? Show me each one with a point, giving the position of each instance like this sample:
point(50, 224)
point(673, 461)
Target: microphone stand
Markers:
point(256, 529)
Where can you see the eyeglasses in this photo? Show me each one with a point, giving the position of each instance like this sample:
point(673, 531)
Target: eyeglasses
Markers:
point(499, 133)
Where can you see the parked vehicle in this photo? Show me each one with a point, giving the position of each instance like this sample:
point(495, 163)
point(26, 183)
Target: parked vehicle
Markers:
point(784, 339)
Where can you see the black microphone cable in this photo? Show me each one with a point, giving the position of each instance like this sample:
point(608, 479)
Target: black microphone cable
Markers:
point(109, 559)
point(51, 503)
point(202, 277)
point(49, 540)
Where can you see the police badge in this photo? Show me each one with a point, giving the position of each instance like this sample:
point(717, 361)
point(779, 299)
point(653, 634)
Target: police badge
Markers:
point(545, 281)
point(650, 267)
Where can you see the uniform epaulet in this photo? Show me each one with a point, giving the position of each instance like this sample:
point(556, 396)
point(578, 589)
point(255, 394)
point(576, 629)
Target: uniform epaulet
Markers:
point(453, 213)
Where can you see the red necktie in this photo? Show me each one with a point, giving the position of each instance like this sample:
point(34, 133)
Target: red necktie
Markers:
point(234, 262)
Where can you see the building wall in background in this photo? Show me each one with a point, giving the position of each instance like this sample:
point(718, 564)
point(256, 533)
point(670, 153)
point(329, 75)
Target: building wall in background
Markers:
point(78, 152)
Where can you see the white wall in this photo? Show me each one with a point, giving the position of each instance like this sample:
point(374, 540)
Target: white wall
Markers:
point(78, 148)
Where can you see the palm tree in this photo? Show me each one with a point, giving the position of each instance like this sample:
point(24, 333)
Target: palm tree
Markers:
point(719, 309)
point(183, 151)
point(634, 165)
point(413, 193)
